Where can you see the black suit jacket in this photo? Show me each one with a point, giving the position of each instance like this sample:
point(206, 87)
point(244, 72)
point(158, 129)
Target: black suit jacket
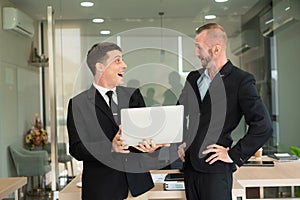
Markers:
point(91, 128)
point(232, 94)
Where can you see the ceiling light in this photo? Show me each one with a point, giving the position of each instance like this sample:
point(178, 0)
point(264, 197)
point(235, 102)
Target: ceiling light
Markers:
point(220, 1)
point(210, 16)
point(98, 20)
point(105, 32)
point(269, 21)
point(87, 4)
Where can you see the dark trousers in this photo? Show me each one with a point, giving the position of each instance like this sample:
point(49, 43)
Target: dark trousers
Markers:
point(207, 186)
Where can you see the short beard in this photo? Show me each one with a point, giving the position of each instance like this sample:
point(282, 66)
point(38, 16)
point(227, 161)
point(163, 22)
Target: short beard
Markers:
point(208, 59)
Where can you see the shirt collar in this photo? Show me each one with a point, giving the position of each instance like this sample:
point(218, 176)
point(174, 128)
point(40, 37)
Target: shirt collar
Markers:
point(103, 90)
point(206, 75)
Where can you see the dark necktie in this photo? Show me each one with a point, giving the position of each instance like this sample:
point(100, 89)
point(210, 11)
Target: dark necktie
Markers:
point(113, 106)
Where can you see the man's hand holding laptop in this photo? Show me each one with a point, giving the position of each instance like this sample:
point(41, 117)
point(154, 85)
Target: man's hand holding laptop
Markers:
point(120, 146)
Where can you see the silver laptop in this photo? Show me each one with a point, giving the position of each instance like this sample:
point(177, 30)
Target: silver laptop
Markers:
point(163, 124)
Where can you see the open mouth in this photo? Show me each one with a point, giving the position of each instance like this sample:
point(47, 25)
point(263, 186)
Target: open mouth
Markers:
point(119, 74)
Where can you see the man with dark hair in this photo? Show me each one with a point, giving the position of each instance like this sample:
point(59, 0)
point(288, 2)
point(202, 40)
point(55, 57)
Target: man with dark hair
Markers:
point(215, 98)
point(94, 133)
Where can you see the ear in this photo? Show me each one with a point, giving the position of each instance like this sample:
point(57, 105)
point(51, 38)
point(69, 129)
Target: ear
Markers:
point(216, 49)
point(99, 67)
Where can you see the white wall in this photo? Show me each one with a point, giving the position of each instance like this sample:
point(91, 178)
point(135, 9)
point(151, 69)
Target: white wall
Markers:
point(19, 92)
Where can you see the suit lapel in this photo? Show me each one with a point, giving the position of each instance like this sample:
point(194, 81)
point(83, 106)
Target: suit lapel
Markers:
point(226, 70)
point(195, 84)
point(96, 98)
point(223, 73)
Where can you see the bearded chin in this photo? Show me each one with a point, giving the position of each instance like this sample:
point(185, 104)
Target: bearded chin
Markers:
point(206, 61)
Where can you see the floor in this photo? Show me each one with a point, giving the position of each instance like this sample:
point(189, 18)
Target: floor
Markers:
point(38, 198)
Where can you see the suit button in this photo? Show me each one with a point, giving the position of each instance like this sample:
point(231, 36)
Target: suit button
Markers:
point(126, 160)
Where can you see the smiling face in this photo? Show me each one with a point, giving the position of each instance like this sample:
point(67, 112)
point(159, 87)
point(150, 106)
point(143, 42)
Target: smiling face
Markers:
point(210, 46)
point(112, 73)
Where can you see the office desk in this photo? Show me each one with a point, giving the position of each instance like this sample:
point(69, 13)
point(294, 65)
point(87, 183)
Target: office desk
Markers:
point(10, 185)
point(72, 192)
point(237, 190)
point(158, 191)
point(282, 174)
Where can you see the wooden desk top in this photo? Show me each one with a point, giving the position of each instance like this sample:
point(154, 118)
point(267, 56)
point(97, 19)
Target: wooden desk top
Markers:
point(10, 185)
point(282, 174)
point(71, 191)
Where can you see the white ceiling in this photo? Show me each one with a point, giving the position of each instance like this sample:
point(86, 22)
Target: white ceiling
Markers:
point(145, 12)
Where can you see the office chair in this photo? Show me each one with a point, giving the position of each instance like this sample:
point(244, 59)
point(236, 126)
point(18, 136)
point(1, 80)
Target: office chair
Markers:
point(62, 155)
point(30, 164)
